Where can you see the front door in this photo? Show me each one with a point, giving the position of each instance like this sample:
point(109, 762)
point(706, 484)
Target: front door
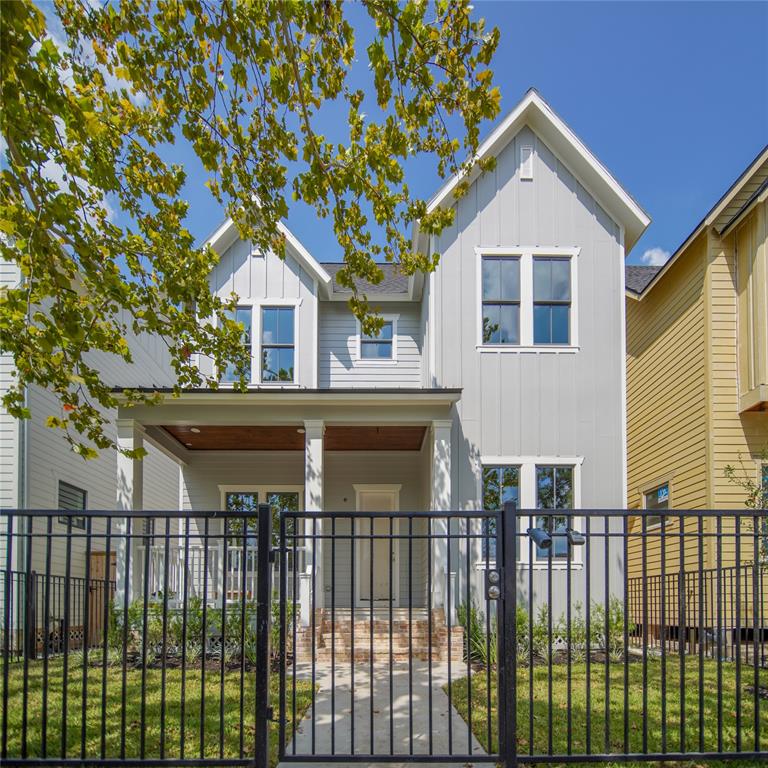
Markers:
point(378, 558)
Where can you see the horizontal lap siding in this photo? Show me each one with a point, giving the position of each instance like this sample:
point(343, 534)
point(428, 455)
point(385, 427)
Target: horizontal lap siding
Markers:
point(338, 363)
point(666, 403)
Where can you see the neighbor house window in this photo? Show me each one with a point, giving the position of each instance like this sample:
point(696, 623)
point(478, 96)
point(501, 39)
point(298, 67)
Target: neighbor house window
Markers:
point(551, 300)
point(500, 485)
point(72, 499)
point(501, 300)
point(658, 498)
point(379, 346)
point(241, 315)
point(277, 344)
point(554, 490)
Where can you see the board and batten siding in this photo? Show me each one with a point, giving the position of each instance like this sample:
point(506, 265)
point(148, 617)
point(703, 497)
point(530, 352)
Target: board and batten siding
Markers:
point(257, 280)
point(339, 365)
point(542, 402)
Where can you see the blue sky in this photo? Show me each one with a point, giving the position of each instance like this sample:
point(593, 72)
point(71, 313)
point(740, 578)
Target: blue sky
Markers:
point(671, 97)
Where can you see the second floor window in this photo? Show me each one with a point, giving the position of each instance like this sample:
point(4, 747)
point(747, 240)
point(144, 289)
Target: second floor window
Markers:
point(277, 344)
point(551, 300)
point(501, 300)
point(241, 315)
point(380, 346)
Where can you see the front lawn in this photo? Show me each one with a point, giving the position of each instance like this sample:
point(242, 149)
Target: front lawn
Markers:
point(173, 725)
point(578, 710)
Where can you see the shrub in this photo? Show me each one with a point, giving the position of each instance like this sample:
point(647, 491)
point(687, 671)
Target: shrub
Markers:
point(480, 647)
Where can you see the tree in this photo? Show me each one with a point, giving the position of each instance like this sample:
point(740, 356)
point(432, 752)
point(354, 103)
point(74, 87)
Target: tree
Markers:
point(88, 120)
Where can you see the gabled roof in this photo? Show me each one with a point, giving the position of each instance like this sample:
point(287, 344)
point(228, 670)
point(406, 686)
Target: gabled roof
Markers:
point(751, 186)
point(395, 283)
point(593, 175)
point(637, 277)
point(227, 233)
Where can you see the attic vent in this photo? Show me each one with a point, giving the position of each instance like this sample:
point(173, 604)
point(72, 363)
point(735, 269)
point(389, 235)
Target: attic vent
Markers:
point(255, 252)
point(526, 161)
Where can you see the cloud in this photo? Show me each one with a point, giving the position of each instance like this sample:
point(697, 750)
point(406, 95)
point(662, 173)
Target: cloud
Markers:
point(655, 257)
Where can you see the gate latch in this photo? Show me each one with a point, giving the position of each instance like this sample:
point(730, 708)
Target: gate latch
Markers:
point(492, 584)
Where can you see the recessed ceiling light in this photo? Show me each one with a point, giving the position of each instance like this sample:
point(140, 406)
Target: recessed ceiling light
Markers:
point(300, 430)
point(189, 445)
point(196, 430)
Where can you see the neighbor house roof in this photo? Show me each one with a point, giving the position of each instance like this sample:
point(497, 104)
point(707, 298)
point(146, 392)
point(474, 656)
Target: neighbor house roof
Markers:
point(748, 189)
point(593, 175)
point(394, 282)
point(637, 277)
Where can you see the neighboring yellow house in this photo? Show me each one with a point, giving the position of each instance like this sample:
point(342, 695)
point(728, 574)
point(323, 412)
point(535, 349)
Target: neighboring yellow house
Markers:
point(697, 384)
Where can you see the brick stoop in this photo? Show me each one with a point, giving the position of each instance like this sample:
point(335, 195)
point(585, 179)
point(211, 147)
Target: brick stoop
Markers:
point(340, 633)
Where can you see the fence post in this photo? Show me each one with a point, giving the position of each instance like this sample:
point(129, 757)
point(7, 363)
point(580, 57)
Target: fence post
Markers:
point(30, 613)
point(508, 640)
point(263, 612)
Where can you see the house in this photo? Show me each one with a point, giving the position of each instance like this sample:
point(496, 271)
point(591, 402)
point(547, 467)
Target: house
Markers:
point(497, 378)
point(697, 387)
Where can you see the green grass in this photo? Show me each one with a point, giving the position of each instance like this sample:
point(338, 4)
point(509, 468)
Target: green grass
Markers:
point(578, 708)
point(133, 727)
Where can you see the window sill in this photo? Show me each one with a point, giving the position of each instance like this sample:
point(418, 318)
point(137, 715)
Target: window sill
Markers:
point(537, 348)
point(364, 363)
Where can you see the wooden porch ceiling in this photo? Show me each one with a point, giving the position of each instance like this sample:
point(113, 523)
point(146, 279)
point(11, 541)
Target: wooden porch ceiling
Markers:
point(289, 438)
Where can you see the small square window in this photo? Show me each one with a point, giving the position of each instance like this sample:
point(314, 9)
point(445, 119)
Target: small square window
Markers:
point(72, 499)
point(658, 498)
point(379, 346)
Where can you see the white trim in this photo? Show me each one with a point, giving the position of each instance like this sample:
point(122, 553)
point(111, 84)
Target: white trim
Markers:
point(623, 366)
point(532, 110)
point(358, 359)
point(526, 255)
point(393, 489)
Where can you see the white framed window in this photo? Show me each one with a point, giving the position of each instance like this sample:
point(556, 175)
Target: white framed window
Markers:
point(527, 299)
point(533, 482)
point(269, 333)
point(379, 349)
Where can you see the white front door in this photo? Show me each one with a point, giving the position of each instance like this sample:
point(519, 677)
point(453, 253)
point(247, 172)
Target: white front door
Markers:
point(379, 556)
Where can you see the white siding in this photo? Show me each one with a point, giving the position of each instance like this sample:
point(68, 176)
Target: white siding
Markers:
point(339, 366)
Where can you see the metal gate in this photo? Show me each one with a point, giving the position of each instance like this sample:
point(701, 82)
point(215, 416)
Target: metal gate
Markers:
point(389, 638)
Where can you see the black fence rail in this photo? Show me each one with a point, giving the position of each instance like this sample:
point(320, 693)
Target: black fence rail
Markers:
point(157, 660)
point(711, 622)
point(504, 636)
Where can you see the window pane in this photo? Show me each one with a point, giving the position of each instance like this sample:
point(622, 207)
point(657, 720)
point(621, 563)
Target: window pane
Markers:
point(560, 324)
point(376, 350)
point(491, 278)
point(242, 501)
point(491, 489)
point(509, 320)
point(285, 364)
point(384, 335)
point(658, 498)
point(500, 485)
point(285, 325)
point(71, 498)
point(491, 327)
point(545, 487)
point(269, 320)
point(270, 364)
point(563, 487)
point(510, 279)
point(511, 485)
point(542, 280)
point(561, 279)
point(542, 324)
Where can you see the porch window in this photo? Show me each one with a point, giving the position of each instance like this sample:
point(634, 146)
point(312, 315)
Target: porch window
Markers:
point(277, 344)
point(501, 300)
point(380, 345)
point(500, 485)
point(240, 315)
point(551, 300)
point(554, 490)
point(74, 499)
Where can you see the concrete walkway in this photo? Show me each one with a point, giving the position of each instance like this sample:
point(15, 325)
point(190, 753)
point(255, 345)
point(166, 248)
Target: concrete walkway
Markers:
point(333, 721)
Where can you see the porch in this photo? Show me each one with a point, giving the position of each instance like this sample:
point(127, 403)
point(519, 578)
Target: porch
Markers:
point(299, 451)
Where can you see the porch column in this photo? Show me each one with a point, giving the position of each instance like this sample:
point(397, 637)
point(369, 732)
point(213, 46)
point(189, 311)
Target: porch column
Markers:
point(314, 432)
point(130, 496)
point(441, 501)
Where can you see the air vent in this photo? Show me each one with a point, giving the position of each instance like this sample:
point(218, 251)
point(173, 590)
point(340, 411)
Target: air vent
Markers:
point(526, 162)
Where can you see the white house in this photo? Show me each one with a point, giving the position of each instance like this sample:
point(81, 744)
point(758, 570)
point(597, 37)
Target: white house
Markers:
point(500, 376)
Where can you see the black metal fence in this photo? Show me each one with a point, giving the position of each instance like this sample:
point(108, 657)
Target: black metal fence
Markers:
point(507, 636)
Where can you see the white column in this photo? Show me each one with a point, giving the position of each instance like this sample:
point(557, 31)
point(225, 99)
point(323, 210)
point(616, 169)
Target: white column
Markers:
point(441, 501)
point(130, 496)
point(313, 502)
